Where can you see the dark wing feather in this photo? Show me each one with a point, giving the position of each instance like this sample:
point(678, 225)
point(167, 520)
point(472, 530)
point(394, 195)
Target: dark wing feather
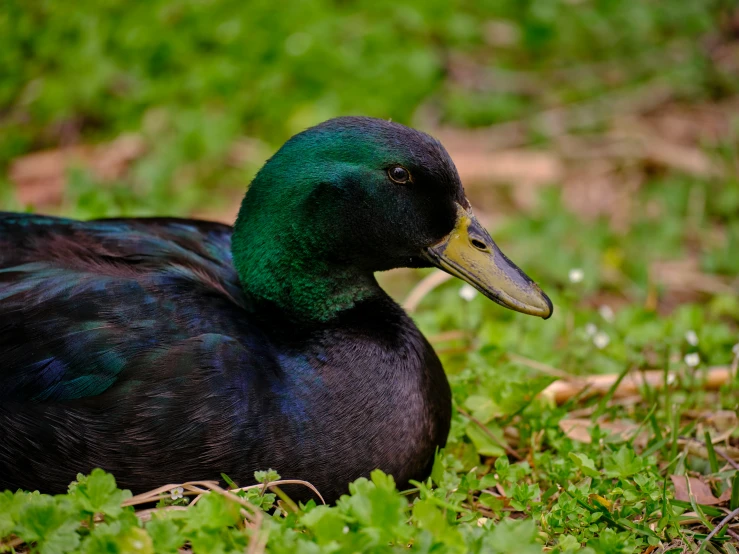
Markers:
point(80, 300)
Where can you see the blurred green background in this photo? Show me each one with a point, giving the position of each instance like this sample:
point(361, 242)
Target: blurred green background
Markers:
point(590, 133)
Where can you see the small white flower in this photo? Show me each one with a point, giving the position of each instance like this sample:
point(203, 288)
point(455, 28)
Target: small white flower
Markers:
point(467, 292)
point(576, 275)
point(601, 340)
point(692, 359)
point(691, 337)
point(735, 349)
point(176, 493)
point(345, 530)
point(606, 312)
point(591, 329)
point(481, 521)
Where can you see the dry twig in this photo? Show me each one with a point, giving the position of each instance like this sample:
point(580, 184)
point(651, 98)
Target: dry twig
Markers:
point(424, 286)
point(561, 390)
point(723, 523)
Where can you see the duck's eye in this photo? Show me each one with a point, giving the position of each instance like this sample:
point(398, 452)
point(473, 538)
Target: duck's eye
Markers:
point(399, 174)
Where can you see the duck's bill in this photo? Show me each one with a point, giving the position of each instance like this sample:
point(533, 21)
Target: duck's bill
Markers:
point(468, 252)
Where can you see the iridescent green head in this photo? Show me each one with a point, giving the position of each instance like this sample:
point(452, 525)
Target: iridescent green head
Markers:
point(355, 195)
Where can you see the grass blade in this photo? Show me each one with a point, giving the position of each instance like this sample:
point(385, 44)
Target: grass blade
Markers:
point(712, 460)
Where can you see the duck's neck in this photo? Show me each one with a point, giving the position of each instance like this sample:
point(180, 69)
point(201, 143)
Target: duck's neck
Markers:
point(290, 272)
point(306, 289)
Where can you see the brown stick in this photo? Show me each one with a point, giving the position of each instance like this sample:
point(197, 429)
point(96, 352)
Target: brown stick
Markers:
point(723, 523)
point(541, 367)
point(716, 449)
point(424, 286)
point(561, 390)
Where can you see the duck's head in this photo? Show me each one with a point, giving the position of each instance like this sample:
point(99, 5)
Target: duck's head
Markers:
point(355, 195)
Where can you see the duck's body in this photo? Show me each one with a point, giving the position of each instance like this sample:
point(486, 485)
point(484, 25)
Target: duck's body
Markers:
point(167, 350)
point(125, 339)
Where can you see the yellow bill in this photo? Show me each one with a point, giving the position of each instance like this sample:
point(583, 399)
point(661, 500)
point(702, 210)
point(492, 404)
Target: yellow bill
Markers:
point(468, 252)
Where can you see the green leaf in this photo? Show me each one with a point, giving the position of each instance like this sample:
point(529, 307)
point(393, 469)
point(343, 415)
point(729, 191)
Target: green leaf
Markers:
point(515, 537)
point(377, 506)
point(523, 494)
point(326, 524)
point(213, 511)
point(118, 538)
point(224, 541)
point(584, 464)
point(623, 464)
point(10, 504)
point(268, 476)
point(264, 501)
point(488, 481)
point(437, 470)
point(495, 503)
point(165, 535)
point(568, 543)
point(98, 494)
point(430, 517)
point(482, 407)
point(49, 522)
point(485, 445)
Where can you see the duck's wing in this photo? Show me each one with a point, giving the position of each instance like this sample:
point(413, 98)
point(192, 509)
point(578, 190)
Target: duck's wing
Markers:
point(80, 302)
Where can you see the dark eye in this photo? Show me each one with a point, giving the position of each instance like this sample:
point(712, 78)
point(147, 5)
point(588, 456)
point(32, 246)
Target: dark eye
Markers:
point(399, 174)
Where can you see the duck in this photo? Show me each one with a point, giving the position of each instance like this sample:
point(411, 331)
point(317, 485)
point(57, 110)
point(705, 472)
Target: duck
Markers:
point(169, 350)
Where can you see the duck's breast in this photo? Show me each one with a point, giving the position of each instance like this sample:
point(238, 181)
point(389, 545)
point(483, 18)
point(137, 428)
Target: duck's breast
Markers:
point(368, 392)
